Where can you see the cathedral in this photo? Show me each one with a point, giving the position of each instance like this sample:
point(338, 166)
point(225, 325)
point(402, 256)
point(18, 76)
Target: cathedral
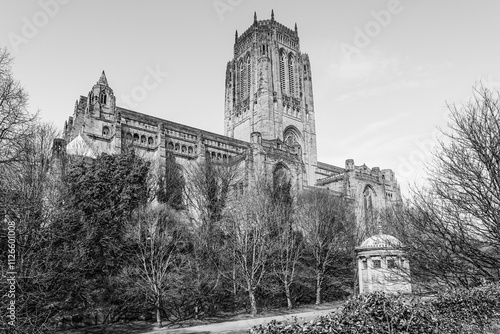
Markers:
point(269, 124)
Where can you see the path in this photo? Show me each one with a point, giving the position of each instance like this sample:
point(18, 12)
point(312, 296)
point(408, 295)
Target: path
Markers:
point(241, 326)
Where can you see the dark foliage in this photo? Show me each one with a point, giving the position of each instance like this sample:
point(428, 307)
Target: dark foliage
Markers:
point(460, 311)
point(88, 235)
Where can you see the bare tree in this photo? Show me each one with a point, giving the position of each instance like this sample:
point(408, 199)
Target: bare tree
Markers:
point(248, 242)
point(287, 239)
point(30, 197)
point(158, 240)
point(452, 226)
point(207, 193)
point(207, 189)
point(287, 246)
point(16, 123)
point(328, 224)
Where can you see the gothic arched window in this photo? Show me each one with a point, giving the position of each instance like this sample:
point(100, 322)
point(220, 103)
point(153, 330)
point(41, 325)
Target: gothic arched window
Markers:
point(242, 80)
point(103, 98)
point(291, 81)
point(282, 71)
point(291, 136)
point(249, 75)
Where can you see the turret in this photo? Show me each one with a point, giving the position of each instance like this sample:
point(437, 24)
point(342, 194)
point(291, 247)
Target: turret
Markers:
point(101, 99)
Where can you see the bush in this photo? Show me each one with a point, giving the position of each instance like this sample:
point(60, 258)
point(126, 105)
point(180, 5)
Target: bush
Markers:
point(460, 311)
point(476, 306)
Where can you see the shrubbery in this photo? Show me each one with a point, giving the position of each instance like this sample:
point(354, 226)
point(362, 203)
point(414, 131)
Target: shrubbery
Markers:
point(459, 311)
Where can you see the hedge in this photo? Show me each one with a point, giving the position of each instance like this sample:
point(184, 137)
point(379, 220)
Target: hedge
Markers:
point(457, 311)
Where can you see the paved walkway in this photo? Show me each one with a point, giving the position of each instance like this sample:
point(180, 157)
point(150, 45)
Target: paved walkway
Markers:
point(241, 326)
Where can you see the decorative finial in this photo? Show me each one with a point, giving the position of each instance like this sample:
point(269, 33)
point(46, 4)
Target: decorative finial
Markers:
point(254, 17)
point(379, 226)
point(272, 14)
point(296, 30)
point(236, 36)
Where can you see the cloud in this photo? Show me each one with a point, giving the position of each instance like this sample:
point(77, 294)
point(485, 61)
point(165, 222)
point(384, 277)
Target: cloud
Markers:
point(379, 128)
point(375, 73)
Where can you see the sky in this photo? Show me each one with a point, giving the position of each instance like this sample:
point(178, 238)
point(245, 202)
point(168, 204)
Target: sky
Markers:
point(383, 71)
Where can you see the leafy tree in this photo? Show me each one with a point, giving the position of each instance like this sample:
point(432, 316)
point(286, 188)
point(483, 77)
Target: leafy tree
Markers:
point(100, 198)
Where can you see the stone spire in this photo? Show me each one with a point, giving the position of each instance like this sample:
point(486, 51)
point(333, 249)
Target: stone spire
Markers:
point(296, 30)
point(236, 36)
point(254, 17)
point(102, 80)
point(272, 14)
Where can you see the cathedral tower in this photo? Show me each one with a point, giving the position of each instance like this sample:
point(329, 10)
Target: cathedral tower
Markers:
point(269, 90)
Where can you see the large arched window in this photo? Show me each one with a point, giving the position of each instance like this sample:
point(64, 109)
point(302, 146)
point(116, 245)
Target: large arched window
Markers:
point(291, 136)
point(293, 139)
point(243, 80)
point(291, 81)
point(249, 75)
point(282, 71)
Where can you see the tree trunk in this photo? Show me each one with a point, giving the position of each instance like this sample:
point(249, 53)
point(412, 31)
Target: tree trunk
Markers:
point(158, 313)
point(288, 297)
point(319, 280)
point(253, 303)
point(356, 291)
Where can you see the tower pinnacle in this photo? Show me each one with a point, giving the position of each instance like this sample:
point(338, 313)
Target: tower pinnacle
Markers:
point(272, 14)
point(102, 80)
point(236, 36)
point(296, 30)
point(254, 17)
